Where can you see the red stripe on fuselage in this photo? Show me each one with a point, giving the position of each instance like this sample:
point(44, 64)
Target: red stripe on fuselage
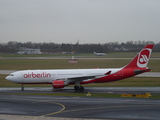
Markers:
point(122, 74)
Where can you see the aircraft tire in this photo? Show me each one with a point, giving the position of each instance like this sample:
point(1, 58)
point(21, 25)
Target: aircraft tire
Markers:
point(22, 88)
point(76, 88)
point(81, 88)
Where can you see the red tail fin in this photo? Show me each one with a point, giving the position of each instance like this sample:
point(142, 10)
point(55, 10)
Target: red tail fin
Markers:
point(141, 60)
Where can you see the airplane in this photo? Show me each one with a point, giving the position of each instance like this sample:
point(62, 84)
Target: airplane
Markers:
point(59, 78)
point(99, 54)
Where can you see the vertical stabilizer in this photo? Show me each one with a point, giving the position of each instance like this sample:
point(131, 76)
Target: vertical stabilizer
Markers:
point(141, 60)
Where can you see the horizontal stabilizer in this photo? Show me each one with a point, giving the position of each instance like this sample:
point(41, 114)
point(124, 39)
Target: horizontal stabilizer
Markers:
point(141, 71)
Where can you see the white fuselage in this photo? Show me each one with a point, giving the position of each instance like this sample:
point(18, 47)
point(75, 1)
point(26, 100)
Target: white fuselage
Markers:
point(47, 76)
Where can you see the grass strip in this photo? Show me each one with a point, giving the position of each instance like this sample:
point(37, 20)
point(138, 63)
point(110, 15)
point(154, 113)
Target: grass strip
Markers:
point(25, 64)
point(80, 95)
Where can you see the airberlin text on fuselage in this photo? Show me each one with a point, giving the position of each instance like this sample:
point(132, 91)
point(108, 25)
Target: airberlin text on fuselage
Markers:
point(37, 75)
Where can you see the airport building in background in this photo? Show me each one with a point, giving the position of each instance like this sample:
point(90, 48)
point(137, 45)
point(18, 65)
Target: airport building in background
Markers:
point(23, 50)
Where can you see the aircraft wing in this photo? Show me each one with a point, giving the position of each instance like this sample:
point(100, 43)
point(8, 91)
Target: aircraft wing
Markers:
point(82, 78)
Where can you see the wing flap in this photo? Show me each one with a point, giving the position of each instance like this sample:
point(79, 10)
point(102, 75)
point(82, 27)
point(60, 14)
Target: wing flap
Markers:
point(82, 78)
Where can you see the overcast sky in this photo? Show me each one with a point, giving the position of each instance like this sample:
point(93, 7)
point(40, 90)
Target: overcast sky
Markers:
point(89, 21)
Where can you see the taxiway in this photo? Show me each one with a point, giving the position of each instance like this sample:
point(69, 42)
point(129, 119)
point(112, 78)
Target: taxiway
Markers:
point(110, 90)
point(13, 107)
point(70, 108)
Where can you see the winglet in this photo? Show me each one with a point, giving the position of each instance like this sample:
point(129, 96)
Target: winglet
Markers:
point(108, 73)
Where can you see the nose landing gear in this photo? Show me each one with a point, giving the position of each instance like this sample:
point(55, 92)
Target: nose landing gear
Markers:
point(22, 87)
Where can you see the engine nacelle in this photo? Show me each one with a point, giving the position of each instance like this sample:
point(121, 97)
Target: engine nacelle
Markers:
point(58, 84)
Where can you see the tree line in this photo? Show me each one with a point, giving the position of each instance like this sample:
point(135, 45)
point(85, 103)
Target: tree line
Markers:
point(129, 46)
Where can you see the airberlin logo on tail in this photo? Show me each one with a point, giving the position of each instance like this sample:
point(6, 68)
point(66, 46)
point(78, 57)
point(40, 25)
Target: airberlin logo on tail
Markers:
point(143, 58)
point(37, 75)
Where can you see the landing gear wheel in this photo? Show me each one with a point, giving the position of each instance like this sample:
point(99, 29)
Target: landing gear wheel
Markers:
point(22, 87)
point(79, 88)
point(76, 88)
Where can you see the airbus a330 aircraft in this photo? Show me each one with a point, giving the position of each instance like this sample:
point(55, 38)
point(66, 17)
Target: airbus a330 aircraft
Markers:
point(64, 77)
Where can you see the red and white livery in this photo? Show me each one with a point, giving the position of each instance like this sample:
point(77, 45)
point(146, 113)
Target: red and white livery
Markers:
point(60, 78)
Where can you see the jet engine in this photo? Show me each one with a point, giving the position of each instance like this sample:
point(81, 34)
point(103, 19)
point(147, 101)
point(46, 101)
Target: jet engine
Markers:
point(58, 84)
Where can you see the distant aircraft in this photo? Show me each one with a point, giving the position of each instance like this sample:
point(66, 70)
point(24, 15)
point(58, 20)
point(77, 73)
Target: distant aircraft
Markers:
point(64, 77)
point(99, 54)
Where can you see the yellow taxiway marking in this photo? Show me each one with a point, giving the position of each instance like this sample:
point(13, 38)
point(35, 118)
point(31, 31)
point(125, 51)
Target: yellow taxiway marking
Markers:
point(47, 101)
point(63, 107)
point(107, 107)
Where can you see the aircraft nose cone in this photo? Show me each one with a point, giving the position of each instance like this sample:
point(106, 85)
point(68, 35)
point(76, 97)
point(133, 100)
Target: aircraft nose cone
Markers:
point(7, 78)
point(10, 78)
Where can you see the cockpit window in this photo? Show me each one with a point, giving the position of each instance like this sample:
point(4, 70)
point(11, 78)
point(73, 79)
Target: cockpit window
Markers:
point(11, 75)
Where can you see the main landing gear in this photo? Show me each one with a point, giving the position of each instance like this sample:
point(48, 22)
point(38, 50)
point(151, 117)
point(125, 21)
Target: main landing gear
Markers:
point(78, 88)
point(22, 87)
